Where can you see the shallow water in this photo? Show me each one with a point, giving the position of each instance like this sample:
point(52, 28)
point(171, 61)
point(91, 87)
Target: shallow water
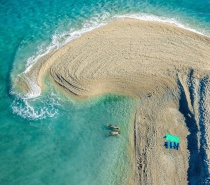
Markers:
point(52, 139)
point(71, 146)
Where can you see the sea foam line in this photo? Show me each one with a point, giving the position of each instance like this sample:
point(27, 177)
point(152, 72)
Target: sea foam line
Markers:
point(59, 40)
point(154, 18)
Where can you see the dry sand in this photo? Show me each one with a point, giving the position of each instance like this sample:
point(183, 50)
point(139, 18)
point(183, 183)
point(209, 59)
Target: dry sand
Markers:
point(166, 68)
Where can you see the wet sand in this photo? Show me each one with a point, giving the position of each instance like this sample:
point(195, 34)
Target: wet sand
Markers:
point(166, 69)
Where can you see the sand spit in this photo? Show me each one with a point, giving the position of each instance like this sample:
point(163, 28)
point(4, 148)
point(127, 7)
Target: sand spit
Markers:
point(166, 68)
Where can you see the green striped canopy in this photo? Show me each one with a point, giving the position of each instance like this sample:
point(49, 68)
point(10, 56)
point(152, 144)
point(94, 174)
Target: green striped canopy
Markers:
point(172, 138)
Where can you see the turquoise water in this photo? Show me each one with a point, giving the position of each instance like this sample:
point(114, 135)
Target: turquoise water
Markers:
point(49, 138)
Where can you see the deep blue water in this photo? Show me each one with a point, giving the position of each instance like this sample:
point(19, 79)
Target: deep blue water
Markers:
point(52, 139)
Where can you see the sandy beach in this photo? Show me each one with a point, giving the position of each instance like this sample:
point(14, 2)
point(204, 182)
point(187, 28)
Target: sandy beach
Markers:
point(166, 69)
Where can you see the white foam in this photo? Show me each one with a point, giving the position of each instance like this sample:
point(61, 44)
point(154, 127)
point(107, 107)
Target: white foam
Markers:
point(45, 109)
point(149, 17)
point(59, 40)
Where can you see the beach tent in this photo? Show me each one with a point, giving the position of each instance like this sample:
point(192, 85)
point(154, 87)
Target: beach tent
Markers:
point(172, 141)
point(172, 138)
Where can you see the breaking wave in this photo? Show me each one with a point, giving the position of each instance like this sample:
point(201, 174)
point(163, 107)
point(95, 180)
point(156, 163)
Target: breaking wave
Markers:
point(36, 109)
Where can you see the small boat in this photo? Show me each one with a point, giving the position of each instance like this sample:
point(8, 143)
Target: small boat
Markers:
point(115, 127)
point(114, 133)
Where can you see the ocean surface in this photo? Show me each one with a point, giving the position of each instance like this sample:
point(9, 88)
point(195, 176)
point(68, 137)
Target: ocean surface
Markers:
point(46, 137)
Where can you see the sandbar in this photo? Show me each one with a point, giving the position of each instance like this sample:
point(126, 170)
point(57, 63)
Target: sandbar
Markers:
point(166, 69)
